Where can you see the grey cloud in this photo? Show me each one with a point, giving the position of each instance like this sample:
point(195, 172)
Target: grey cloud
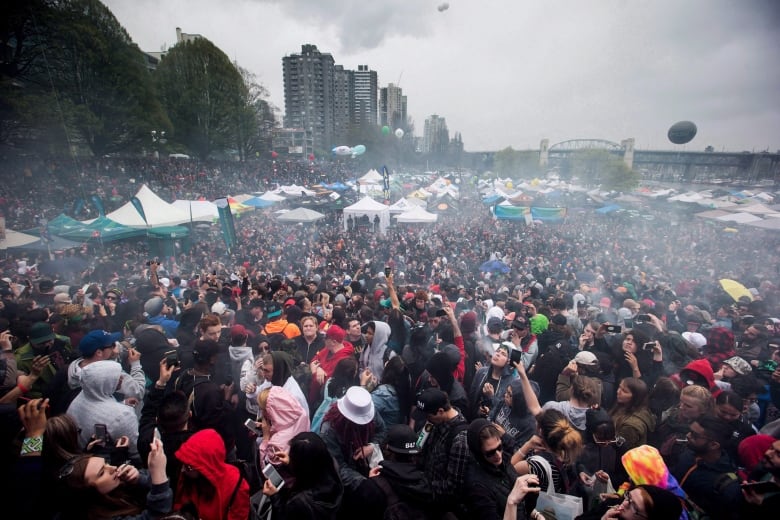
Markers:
point(362, 25)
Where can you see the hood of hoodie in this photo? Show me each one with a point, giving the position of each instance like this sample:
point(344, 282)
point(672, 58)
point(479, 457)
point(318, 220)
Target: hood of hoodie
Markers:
point(439, 366)
point(408, 481)
point(704, 369)
point(205, 451)
point(283, 364)
point(99, 380)
point(240, 354)
point(273, 327)
point(475, 445)
point(285, 412)
point(645, 466)
point(381, 334)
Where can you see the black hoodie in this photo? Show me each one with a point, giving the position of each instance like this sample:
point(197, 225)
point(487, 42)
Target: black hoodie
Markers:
point(487, 485)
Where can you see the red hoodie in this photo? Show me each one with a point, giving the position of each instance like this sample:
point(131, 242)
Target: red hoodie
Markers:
point(205, 452)
point(703, 368)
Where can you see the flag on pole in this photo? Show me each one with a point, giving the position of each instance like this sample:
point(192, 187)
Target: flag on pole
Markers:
point(226, 223)
point(139, 208)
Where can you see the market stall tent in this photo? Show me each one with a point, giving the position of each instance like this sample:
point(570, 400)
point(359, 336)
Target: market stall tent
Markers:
point(371, 208)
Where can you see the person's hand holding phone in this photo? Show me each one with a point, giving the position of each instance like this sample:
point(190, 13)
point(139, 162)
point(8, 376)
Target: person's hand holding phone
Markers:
point(166, 372)
point(33, 417)
point(156, 462)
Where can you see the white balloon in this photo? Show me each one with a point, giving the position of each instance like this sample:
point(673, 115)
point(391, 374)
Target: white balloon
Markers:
point(399, 133)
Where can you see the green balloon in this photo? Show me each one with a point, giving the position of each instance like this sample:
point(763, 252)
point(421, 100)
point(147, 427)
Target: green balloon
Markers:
point(385, 130)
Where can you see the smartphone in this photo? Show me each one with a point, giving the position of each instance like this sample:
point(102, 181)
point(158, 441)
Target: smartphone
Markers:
point(614, 329)
point(157, 434)
point(515, 355)
point(642, 318)
point(101, 433)
point(648, 346)
point(387, 271)
point(172, 358)
point(271, 474)
point(762, 487)
point(251, 426)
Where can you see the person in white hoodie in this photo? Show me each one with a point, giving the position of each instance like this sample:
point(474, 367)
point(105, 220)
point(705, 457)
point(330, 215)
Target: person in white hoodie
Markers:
point(100, 345)
point(373, 357)
point(96, 405)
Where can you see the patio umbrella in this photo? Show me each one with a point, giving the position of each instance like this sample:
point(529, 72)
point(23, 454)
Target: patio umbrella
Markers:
point(494, 266)
point(735, 289)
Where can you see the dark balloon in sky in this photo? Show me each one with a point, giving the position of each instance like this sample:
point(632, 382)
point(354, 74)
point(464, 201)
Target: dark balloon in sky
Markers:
point(682, 132)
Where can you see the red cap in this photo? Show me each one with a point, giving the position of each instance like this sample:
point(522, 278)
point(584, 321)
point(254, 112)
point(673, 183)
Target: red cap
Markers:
point(335, 333)
point(289, 302)
point(240, 330)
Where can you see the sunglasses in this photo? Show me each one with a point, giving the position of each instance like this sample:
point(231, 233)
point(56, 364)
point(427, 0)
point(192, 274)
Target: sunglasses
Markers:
point(111, 298)
point(492, 452)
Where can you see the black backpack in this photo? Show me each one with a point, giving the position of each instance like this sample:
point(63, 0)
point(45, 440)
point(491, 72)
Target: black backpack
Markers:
point(397, 509)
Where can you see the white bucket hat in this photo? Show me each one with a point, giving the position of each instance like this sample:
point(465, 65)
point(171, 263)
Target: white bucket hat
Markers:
point(356, 405)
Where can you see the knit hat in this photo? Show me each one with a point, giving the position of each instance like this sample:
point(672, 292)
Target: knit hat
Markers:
point(605, 302)
point(273, 309)
point(495, 324)
point(739, 365)
point(153, 306)
point(96, 340)
point(335, 333)
point(558, 319)
point(240, 332)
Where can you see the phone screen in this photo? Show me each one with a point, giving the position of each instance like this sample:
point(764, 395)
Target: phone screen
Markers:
point(250, 425)
point(271, 474)
point(101, 432)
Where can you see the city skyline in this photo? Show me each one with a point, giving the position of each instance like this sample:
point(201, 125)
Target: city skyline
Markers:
point(505, 74)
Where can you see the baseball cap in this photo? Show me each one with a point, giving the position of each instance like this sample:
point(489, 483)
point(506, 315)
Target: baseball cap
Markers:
point(586, 358)
point(739, 365)
point(273, 309)
point(240, 331)
point(401, 439)
point(96, 340)
point(219, 308)
point(430, 400)
point(40, 333)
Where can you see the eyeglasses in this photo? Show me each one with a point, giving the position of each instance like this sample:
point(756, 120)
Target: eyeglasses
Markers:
point(492, 452)
point(695, 435)
point(111, 298)
point(632, 505)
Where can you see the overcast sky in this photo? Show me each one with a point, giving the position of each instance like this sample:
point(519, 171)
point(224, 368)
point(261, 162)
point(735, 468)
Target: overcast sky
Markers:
point(511, 72)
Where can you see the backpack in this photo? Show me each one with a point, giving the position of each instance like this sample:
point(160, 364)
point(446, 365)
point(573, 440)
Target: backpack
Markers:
point(278, 341)
point(395, 508)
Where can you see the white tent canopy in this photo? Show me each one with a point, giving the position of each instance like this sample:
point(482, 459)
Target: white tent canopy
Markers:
point(371, 177)
point(417, 215)
point(739, 218)
point(371, 208)
point(401, 206)
point(202, 210)
point(300, 215)
point(16, 239)
point(157, 211)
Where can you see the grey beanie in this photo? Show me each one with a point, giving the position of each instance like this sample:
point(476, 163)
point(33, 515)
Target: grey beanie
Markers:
point(153, 306)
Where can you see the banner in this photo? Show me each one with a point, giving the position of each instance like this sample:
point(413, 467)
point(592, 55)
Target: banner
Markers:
point(139, 208)
point(99, 205)
point(226, 223)
point(512, 212)
point(386, 181)
point(548, 214)
point(78, 205)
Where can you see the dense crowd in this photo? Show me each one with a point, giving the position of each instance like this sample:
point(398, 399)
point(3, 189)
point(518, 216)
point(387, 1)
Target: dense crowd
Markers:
point(596, 367)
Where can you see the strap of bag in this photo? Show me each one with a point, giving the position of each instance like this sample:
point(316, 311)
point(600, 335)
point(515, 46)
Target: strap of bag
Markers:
point(688, 473)
point(235, 492)
point(547, 469)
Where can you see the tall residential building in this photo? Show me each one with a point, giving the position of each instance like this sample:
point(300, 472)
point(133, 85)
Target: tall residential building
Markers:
point(309, 98)
point(364, 93)
point(392, 107)
point(342, 104)
point(436, 137)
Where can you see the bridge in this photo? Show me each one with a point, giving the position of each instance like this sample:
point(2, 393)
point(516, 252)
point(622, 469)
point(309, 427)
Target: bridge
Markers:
point(661, 165)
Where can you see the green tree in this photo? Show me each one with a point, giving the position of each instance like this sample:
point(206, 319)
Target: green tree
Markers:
point(205, 97)
point(255, 119)
point(74, 65)
point(601, 168)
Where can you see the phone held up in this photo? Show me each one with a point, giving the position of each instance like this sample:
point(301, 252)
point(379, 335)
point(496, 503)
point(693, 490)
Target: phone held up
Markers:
point(613, 329)
point(271, 474)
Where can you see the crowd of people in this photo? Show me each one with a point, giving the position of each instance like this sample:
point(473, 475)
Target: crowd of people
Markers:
point(320, 371)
